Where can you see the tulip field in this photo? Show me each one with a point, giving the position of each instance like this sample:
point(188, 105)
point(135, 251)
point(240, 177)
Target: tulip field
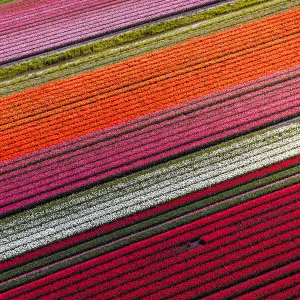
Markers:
point(150, 149)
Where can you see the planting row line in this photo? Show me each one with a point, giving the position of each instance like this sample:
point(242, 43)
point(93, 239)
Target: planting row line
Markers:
point(152, 119)
point(165, 127)
point(27, 19)
point(33, 7)
point(198, 50)
point(95, 243)
point(88, 16)
point(184, 82)
point(181, 165)
point(93, 163)
point(182, 205)
point(282, 254)
point(101, 243)
point(50, 217)
point(56, 36)
point(259, 282)
point(123, 258)
point(115, 7)
point(46, 217)
point(287, 287)
point(206, 220)
point(93, 285)
point(133, 87)
point(113, 204)
point(141, 33)
point(96, 60)
point(223, 207)
point(70, 183)
point(84, 20)
point(108, 275)
point(270, 136)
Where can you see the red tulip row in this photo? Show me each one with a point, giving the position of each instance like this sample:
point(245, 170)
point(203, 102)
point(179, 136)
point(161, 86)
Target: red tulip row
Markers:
point(281, 289)
point(60, 245)
point(117, 279)
point(257, 282)
point(158, 243)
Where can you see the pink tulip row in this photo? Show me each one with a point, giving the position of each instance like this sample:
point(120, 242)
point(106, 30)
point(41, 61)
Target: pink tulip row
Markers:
point(71, 29)
point(150, 144)
point(13, 166)
point(117, 224)
point(64, 18)
point(27, 11)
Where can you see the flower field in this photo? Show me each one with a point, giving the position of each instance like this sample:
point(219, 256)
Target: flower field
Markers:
point(150, 149)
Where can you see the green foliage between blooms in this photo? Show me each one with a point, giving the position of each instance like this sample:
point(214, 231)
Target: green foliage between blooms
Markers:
point(121, 39)
point(146, 45)
point(145, 229)
point(5, 1)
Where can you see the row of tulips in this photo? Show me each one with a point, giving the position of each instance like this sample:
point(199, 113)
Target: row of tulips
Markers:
point(96, 163)
point(108, 202)
point(234, 215)
point(160, 211)
point(85, 26)
point(155, 99)
point(170, 60)
point(94, 138)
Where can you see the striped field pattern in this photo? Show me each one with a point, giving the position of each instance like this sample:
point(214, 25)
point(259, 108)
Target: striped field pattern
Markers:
point(150, 149)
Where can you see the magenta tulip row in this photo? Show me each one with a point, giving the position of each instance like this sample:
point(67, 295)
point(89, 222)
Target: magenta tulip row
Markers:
point(109, 157)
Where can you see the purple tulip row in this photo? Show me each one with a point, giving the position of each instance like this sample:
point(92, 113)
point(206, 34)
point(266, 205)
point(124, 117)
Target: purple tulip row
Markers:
point(73, 27)
point(42, 15)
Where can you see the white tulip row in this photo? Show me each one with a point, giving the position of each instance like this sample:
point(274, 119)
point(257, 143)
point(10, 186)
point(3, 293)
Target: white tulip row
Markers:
point(100, 205)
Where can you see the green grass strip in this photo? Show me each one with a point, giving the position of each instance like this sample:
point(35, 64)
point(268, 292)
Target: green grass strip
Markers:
point(252, 137)
point(44, 208)
point(5, 1)
point(121, 39)
point(255, 189)
point(144, 46)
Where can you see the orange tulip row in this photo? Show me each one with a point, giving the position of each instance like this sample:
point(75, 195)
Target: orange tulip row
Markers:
point(137, 70)
point(192, 83)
